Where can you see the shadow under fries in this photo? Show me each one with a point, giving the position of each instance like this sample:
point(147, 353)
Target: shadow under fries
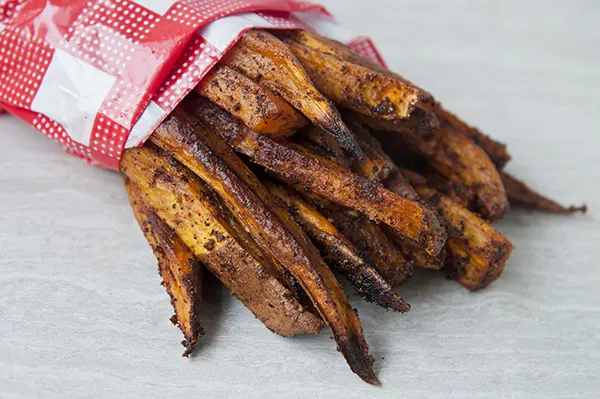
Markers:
point(215, 299)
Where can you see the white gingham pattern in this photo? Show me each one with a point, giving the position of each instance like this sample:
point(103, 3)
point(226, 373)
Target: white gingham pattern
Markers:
point(103, 79)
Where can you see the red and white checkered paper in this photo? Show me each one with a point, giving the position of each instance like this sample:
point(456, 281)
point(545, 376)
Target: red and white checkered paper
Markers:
point(99, 76)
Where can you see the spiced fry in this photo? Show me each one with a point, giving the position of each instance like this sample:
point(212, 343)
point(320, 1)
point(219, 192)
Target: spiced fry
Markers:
point(339, 252)
point(331, 47)
point(181, 273)
point(328, 180)
point(376, 165)
point(460, 160)
point(359, 88)
point(193, 143)
point(421, 122)
point(186, 205)
point(497, 151)
point(322, 144)
point(478, 251)
point(519, 193)
point(264, 58)
point(258, 107)
point(372, 241)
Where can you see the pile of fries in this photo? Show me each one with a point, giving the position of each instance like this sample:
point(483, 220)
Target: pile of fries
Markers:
point(296, 158)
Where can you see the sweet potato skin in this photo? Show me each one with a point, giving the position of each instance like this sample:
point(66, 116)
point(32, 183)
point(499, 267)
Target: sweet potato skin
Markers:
point(339, 50)
point(181, 273)
point(258, 107)
point(187, 206)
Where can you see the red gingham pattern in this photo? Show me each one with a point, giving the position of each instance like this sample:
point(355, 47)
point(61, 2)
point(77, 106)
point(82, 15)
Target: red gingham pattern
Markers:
point(112, 70)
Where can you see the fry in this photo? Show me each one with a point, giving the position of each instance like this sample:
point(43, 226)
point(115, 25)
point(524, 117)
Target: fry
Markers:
point(322, 144)
point(194, 144)
point(331, 47)
point(264, 58)
point(460, 160)
point(339, 252)
point(421, 122)
point(457, 192)
point(419, 258)
point(359, 88)
point(179, 198)
point(369, 238)
point(181, 273)
point(478, 251)
point(382, 166)
point(519, 193)
point(328, 180)
point(371, 241)
point(376, 165)
point(497, 151)
point(259, 108)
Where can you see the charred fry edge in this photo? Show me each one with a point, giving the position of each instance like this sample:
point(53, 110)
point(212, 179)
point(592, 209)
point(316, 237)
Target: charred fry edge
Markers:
point(264, 58)
point(259, 108)
point(367, 237)
point(521, 194)
point(213, 235)
point(193, 143)
point(341, 253)
point(179, 269)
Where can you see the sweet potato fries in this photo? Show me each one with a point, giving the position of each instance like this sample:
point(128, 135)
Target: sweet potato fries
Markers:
point(296, 158)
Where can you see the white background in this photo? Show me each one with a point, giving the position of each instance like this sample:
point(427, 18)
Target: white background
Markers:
point(82, 312)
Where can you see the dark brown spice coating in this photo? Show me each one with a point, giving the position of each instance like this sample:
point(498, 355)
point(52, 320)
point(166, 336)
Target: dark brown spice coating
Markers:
point(421, 122)
point(357, 87)
point(322, 144)
point(477, 252)
point(371, 241)
point(457, 158)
